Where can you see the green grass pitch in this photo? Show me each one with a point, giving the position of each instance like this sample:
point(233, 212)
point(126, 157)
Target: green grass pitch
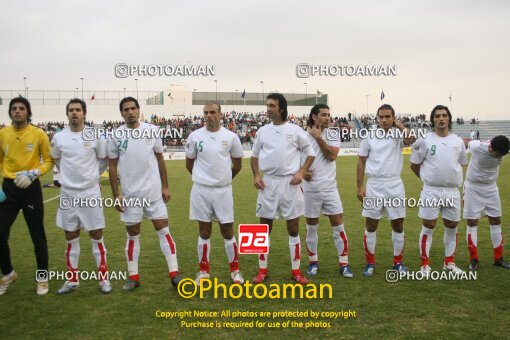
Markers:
point(421, 309)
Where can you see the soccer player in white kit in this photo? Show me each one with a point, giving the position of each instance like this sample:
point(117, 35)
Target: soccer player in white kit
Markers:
point(213, 158)
point(80, 162)
point(380, 158)
point(277, 151)
point(438, 159)
point(481, 194)
point(321, 192)
point(142, 176)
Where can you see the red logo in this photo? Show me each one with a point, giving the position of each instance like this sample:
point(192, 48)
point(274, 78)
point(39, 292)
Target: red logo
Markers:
point(253, 239)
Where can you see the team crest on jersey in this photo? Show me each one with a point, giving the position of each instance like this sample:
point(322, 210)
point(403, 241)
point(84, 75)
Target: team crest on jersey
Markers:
point(87, 145)
point(148, 141)
point(30, 147)
point(224, 144)
point(290, 138)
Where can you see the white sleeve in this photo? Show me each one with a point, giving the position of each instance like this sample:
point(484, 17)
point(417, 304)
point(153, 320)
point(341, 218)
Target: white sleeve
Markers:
point(113, 150)
point(256, 145)
point(364, 148)
point(236, 150)
point(463, 154)
point(190, 148)
point(158, 143)
point(56, 153)
point(304, 144)
point(419, 151)
point(102, 148)
point(474, 145)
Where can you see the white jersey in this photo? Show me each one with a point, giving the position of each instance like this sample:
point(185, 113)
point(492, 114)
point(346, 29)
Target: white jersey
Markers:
point(384, 156)
point(441, 159)
point(79, 160)
point(279, 147)
point(323, 170)
point(137, 163)
point(213, 153)
point(483, 168)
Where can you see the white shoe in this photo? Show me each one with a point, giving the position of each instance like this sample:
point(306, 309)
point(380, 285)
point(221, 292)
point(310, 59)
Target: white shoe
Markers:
point(201, 275)
point(6, 280)
point(426, 270)
point(43, 287)
point(237, 277)
point(453, 268)
point(67, 287)
point(105, 286)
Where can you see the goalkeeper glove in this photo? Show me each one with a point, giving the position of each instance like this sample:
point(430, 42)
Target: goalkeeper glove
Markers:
point(25, 178)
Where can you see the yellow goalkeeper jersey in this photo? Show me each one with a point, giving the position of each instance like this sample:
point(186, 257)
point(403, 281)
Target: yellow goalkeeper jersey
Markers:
point(24, 149)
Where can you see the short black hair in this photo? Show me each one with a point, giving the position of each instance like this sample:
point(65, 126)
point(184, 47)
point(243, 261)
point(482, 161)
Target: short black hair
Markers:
point(23, 101)
point(316, 109)
point(77, 101)
point(386, 107)
point(209, 103)
point(282, 103)
point(128, 99)
point(500, 144)
point(441, 107)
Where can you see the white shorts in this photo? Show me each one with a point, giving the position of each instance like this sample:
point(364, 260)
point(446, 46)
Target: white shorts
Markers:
point(88, 218)
point(280, 194)
point(444, 194)
point(327, 201)
point(209, 204)
point(481, 198)
point(155, 211)
point(385, 188)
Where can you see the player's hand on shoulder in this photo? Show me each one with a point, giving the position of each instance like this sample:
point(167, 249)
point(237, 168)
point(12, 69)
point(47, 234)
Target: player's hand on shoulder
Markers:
point(166, 194)
point(315, 132)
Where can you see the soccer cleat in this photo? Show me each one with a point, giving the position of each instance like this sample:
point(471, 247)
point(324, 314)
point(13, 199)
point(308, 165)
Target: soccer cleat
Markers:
point(237, 277)
point(131, 285)
point(105, 286)
point(452, 267)
point(501, 263)
point(201, 275)
point(425, 269)
point(346, 271)
point(300, 279)
point(473, 266)
point(6, 280)
point(260, 277)
point(176, 279)
point(313, 268)
point(399, 267)
point(43, 288)
point(369, 270)
point(68, 287)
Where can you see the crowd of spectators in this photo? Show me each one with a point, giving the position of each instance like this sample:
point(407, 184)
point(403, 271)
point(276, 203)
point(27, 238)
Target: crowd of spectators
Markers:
point(369, 121)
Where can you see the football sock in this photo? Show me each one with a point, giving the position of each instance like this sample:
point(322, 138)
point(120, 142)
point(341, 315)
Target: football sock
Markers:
point(341, 244)
point(312, 239)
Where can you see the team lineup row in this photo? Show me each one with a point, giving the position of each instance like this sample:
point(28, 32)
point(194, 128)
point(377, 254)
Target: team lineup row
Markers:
point(299, 178)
